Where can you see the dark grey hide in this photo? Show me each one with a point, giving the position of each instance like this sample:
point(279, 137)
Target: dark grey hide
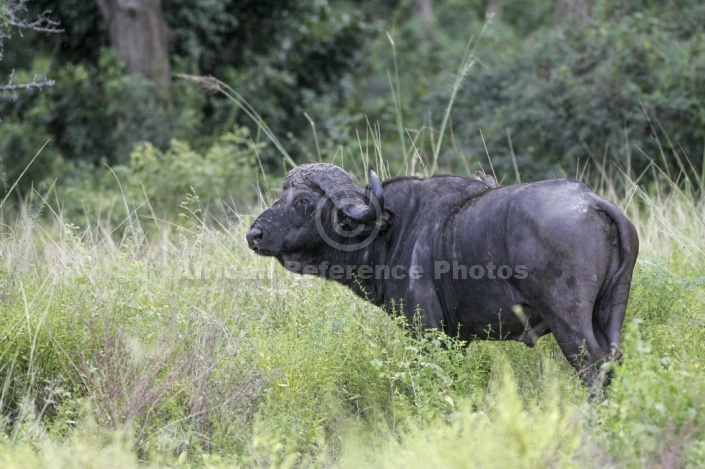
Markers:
point(571, 254)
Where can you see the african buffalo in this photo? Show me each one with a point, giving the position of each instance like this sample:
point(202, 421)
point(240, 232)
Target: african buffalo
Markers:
point(478, 262)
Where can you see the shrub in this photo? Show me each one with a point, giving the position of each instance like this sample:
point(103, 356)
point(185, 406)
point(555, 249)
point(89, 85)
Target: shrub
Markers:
point(624, 88)
point(155, 182)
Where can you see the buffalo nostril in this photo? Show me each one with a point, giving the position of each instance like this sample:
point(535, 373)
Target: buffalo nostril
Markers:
point(254, 236)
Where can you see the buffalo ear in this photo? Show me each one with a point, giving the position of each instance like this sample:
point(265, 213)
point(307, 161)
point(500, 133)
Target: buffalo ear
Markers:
point(386, 220)
point(382, 222)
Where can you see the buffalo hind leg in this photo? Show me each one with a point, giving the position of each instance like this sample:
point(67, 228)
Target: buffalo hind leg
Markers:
point(615, 317)
point(578, 342)
point(601, 336)
point(610, 349)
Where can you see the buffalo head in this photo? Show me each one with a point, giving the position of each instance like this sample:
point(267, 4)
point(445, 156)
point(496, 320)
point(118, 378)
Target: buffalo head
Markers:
point(320, 208)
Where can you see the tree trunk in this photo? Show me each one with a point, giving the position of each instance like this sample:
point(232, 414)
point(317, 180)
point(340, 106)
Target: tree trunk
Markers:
point(577, 10)
point(424, 9)
point(139, 35)
point(494, 8)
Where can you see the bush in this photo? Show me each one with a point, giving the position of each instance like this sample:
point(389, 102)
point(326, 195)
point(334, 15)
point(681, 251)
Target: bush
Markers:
point(93, 116)
point(283, 56)
point(623, 88)
point(156, 183)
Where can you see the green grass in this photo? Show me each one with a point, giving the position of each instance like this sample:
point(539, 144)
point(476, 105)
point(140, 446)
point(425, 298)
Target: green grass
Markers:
point(180, 347)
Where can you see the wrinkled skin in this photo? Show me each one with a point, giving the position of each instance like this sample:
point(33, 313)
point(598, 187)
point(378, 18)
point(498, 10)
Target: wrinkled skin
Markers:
point(571, 252)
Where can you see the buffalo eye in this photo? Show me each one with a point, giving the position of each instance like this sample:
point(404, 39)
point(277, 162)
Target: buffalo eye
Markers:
point(303, 206)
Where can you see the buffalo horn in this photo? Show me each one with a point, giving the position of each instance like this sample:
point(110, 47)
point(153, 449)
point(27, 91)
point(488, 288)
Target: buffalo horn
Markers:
point(339, 186)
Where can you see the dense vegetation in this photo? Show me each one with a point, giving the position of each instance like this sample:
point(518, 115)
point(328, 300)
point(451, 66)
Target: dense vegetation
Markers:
point(180, 347)
point(619, 85)
point(136, 328)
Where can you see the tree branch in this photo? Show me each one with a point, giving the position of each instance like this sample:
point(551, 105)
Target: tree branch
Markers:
point(42, 24)
point(35, 85)
point(11, 16)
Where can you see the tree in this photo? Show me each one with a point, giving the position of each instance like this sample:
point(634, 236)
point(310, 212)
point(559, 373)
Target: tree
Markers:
point(577, 10)
point(113, 64)
point(12, 17)
point(139, 35)
point(424, 8)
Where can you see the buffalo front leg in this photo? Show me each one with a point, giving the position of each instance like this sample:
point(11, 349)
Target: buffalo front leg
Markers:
point(420, 306)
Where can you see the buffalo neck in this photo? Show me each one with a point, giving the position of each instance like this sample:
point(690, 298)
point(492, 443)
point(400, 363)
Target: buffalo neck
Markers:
point(359, 269)
point(411, 202)
point(372, 266)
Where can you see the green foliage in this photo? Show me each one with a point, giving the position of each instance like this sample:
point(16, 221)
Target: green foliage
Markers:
point(507, 432)
point(92, 115)
point(84, 37)
point(155, 182)
point(132, 109)
point(622, 89)
point(226, 168)
point(283, 55)
point(655, 412)
point(302, 57)
point(527, 20)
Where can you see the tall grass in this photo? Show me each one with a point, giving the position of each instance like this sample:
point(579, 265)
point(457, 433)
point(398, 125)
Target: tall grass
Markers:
point(179, 346)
